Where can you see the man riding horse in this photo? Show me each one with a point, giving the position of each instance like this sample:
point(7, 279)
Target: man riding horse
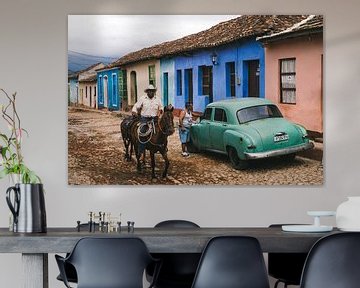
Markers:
point(147, 130)
point(149, 107)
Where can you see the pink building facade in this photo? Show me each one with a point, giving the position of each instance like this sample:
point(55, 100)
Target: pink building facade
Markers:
point(306, 79)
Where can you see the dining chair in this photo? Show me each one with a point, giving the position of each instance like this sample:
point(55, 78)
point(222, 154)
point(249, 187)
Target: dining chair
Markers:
point(108, 263)
point(231, 262)
point(285, 267)
point(178, 269)
point(69, 269)
point(333, 262)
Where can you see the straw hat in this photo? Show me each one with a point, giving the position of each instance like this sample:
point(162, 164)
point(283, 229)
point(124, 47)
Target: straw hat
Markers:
point(150, 88)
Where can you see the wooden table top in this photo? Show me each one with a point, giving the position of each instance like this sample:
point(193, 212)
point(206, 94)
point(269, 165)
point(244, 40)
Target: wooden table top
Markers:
point(158, 240)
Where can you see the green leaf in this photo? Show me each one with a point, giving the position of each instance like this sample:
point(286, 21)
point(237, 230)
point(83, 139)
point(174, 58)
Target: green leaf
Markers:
point(4, 173)
point(3, 151)
point(27, 133)
point(4, 137)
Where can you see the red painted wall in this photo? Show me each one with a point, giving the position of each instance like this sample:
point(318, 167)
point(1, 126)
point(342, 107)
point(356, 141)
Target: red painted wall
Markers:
point(308, 52)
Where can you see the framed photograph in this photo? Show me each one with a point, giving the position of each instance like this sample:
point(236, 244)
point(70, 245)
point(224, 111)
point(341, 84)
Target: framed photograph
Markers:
point(195, 99)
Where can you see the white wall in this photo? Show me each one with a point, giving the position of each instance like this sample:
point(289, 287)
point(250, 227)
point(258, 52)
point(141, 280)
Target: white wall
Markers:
point(142, 78)
point(33, 62)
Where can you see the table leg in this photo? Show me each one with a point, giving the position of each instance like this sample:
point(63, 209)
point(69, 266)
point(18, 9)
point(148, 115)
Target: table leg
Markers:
point(35, 270)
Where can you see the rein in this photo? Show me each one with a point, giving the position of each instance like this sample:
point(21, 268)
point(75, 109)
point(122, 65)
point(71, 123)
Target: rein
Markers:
point(161, 130)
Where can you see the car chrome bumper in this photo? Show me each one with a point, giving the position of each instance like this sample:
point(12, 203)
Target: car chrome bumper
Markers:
point(279, 152)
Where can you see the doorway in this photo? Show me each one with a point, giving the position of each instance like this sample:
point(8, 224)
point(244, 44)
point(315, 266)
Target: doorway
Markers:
point(189, 86)
point(133, 87)
point(90, 96)
point(105, 91)
point(253, 78)
point(166, 88)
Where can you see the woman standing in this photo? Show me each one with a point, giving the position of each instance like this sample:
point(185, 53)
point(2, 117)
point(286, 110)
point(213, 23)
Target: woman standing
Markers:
point(185, 122)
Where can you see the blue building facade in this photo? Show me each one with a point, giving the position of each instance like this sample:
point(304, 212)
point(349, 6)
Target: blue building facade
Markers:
point(231, 71)
point(109, 89)
point(73, 91)
point(167, 77)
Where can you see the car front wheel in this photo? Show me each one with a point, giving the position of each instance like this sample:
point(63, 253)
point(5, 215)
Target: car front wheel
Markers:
point(192, 148)
point(235, 161)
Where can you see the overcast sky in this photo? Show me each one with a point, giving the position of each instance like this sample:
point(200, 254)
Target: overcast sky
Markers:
point(117, 35)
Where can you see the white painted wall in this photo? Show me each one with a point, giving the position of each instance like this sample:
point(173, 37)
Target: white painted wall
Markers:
point(33, 47)
point(86, 98)
point(142, 78)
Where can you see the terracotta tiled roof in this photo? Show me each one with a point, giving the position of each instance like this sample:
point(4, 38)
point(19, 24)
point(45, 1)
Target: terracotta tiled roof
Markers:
point(220, 34)
point(91, 78)
point(312, 24)
point(89, 68)
point(76, 74)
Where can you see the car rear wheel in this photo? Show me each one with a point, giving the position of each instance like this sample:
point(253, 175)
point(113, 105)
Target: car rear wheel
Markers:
point(235, 161)
point(288, 157)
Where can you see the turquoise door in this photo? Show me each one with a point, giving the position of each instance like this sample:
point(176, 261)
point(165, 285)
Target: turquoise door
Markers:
point(166, 89)
point(217, 129)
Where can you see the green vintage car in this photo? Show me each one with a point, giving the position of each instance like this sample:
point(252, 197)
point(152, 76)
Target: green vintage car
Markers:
point(245, 129)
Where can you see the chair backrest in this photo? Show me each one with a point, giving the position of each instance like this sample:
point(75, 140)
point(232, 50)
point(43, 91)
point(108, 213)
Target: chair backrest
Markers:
point(178, 269)
point(232, 262)
point(286, 267)
point(176, 224)
point(333, 262)
point(110, 262)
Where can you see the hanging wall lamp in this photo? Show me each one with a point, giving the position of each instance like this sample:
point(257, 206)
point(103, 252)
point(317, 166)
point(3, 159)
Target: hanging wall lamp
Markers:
point(214, 58)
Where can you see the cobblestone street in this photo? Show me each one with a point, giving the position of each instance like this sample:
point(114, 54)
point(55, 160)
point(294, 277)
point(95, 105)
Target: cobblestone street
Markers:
point(96, 157)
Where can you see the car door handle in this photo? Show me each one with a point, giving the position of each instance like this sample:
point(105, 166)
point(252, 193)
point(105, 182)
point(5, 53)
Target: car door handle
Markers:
point(224, 125)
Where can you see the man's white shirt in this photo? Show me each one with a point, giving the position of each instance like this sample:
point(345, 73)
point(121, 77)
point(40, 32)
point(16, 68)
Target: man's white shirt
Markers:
point(149, 107)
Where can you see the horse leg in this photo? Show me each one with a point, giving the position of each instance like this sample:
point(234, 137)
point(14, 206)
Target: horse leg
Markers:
point(131, 150)
point(137, 154)
point(126, 144)
point(152, 156)
point(167, 163)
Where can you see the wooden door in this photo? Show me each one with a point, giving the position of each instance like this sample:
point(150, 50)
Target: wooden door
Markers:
point(254, 78)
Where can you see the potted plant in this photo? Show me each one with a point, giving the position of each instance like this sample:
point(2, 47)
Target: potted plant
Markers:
point(25, 197)
point(11, 159)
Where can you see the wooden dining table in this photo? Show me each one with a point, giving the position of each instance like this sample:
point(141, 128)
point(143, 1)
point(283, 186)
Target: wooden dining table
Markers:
point(35, 247)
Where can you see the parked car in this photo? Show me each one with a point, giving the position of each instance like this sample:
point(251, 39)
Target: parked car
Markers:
point(245, 129)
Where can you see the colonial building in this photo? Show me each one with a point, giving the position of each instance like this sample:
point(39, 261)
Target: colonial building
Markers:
point(294, 72)
point(88, 92)
point(111, 83)
point(73, 89)
point(221, 62)
point(81, 95)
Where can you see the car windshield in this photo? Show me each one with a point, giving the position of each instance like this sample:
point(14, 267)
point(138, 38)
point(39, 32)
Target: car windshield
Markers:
point(258, 112)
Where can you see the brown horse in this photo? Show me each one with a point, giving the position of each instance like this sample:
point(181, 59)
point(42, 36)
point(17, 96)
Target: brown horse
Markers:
point(156, 140)
point(125, 128)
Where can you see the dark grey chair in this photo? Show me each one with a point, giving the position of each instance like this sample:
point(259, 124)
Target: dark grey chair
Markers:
point(232, 262)
point(108, 263)
point(69, 269)
point(286, 267)
point(333, 262)
point(178, 269)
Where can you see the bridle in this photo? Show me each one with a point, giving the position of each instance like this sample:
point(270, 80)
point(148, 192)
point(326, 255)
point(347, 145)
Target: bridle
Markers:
point(166, 131)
